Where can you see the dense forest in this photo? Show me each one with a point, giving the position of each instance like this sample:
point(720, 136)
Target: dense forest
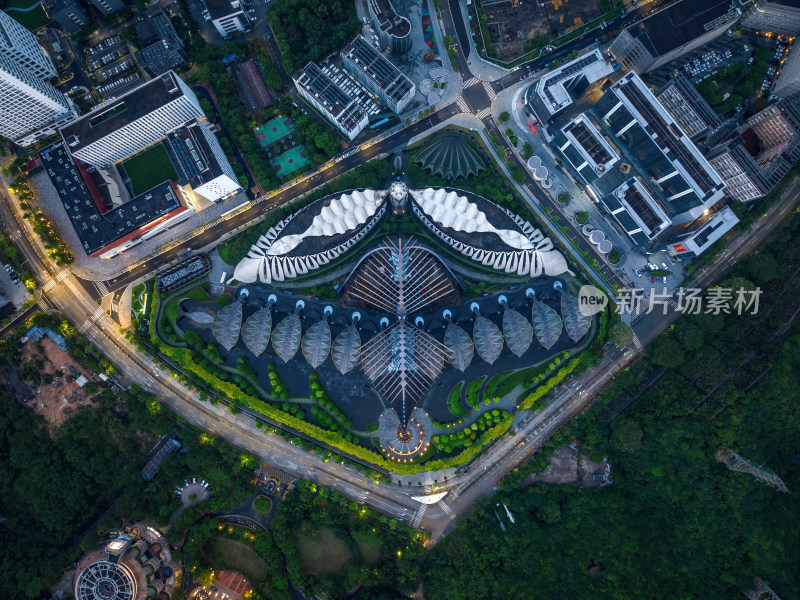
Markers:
point(309, 30)
point(675, 523)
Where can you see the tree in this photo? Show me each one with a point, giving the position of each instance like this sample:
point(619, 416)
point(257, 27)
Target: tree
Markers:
point(447, 40)
point(504, 117)
point(667, 352)
point(518, 173)
point(690, 336)
point(762, 267)
point(620, 334)
point(626, 436)
point(550, 513)
point(10, 251)
point(527, 150)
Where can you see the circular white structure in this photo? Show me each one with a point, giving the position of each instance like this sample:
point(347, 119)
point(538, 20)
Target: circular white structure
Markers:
point(605, 247)
point(104, 580)
point(597, 236)
point(540, 173)
point(587, 229)
point(534, 162)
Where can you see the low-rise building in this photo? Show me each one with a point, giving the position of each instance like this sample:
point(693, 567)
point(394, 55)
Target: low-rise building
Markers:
point(108, 7)
point(162, 48)
point(376, 72)
point(555, 91)
point(228, 16)
point(332, 101)
point(69, 14)
point(672, 32)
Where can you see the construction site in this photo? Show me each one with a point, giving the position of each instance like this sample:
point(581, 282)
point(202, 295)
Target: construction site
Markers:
point(512, 23)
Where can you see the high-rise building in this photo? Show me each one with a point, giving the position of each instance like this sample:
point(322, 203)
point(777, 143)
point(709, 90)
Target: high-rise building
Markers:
point(30, 109)
point(689, 109)
point(760, 153)
point(394, 30)
point(120, 127)
point(21, 46)
point(375, 71)
point(672, 32)
point(788, 82)
point(777, 16)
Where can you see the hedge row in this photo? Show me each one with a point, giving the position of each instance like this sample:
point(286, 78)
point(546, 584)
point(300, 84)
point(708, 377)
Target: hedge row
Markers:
point(467, 436)
point(540, 391)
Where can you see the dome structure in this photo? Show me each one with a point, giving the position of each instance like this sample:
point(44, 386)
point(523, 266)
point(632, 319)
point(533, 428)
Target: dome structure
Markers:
point(106, 580)
point(450, 157)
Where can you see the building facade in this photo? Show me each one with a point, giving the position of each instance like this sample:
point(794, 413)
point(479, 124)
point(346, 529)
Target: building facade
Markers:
point(21, 46)
point(332, 101)
point(777, 16)
point(118, 128)
point(30, 109)
point(788, 82)
point(376, 72)
point(393, 29)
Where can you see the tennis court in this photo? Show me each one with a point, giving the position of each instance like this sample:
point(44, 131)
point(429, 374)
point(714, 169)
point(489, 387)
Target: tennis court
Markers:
point(290, 161)
point(273, 130)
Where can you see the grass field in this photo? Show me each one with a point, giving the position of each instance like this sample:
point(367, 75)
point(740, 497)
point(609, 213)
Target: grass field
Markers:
point(229, 554)
point(33, 18)
point(472, 391)
point(326, 555)
point(148, 169)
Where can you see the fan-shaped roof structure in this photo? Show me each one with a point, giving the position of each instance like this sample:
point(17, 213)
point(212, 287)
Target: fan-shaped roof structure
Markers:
point(403, 362)
point(226, 325)
point(317, 343)
point(546, 323)
point(286, 337)
point(346, 349)
point(517, 331)
point(459, 345)
point(452, 157)
point(575, 322)
point(256, 330)
point(488, 339)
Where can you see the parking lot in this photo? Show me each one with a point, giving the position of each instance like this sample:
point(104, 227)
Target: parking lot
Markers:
point(111, 67)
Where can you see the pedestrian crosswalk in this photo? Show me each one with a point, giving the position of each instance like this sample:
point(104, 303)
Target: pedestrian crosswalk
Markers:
point(59, 277)
point(489, 90)
point(418, 516)
point(462, 104)
point(636, 342)
point(102, 288)
point(471, 82)
point(484, 113)
point(447, 510)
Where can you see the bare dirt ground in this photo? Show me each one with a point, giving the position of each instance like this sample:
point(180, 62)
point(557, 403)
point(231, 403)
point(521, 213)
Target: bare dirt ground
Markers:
point(511, 26)
point(563, 470)
point(59, 400)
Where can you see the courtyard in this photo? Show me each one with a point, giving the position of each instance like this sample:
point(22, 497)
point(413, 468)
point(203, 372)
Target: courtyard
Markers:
point(148, 169)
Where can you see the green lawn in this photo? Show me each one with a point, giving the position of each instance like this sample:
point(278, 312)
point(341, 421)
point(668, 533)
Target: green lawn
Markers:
point(472, 391)
point(454, 401)
point(229, 554)
point(262, 504)
point(148, 169)
point(32, 19)
point(324, 556)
